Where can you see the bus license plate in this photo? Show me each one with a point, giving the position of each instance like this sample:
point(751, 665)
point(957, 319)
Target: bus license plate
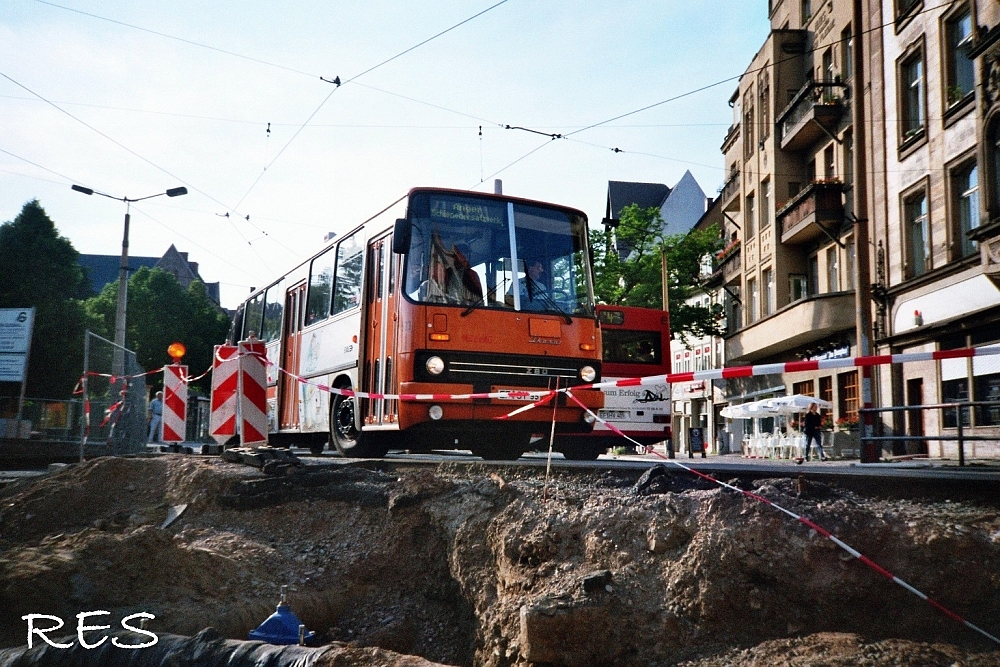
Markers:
point(614, 414)
point(521, 395)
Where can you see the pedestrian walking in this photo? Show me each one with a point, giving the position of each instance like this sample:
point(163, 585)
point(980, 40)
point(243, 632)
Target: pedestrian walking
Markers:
point(812, 423)
point(155, 417)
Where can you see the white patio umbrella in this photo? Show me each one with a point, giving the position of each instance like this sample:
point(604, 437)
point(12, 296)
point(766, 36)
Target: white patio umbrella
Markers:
point(798, 403)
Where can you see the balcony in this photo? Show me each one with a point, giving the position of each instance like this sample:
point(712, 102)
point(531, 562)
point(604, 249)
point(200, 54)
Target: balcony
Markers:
point(797, 324)
point(726, 266)
point(730, 191)
point(820, 203)
point(813, 114)
point(731, 136)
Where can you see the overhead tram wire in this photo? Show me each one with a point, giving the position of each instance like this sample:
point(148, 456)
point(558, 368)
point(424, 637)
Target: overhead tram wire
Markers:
point(174, 37)
point(338, 83)
point(120, 145)
point(568, 135)
point(35, 164)
point(136, 208)
point(749, 72)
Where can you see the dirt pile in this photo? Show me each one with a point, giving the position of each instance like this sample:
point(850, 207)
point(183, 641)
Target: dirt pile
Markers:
point(464, 566)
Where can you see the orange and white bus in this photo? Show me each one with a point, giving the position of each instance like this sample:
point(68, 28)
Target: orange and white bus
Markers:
point(468, 294)
point(635, 343)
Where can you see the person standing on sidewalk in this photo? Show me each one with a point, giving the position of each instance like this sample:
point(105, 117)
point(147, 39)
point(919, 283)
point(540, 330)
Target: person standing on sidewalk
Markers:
point(812, 424)
point(155, 417)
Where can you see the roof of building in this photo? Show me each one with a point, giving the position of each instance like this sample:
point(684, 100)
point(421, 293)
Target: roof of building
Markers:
point(625, 193)
point(104, 269)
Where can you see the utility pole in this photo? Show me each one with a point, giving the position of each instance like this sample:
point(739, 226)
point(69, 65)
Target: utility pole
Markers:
point(870, 451)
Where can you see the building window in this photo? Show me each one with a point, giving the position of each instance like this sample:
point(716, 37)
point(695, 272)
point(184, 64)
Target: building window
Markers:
point(904, 6)
point(753, 306)
point(826, 389)
point(832, 270)
point(733, 310)
point(814, 275)
point(748, 219)
point(765, 203)
point(807, 10)
point(798, 287)
point(917, 230)
point(847, 53)
point(764, 86)
point(805, 388)
point(851, 253)
point(959, 76)
point(847, 385)
point(965, 188)
point(748, 125)
point(829, 163)
point(911, 96)
point(767, 278)
point(827, 66)
point(993, 165)
point(848, 173)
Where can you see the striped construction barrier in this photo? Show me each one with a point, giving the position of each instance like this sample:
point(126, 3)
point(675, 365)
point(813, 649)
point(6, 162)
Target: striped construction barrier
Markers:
point(175, 395)
point(252, 391)
point(225, 383)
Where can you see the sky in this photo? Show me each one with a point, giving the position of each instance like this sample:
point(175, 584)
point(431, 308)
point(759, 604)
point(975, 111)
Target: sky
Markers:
point(227, 98)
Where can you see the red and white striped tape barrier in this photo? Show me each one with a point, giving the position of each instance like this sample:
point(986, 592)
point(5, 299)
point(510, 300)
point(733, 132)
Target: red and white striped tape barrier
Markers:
point(807, 522)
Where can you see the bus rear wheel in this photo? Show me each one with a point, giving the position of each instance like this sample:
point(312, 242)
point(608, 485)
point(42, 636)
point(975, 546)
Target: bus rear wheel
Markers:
point(344, 434)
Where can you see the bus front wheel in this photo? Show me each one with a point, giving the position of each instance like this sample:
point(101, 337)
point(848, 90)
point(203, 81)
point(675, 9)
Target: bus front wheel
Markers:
point(344, 434)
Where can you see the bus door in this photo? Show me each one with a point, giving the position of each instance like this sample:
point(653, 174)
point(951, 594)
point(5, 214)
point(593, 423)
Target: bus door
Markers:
point(288, 395)
point(379, 372)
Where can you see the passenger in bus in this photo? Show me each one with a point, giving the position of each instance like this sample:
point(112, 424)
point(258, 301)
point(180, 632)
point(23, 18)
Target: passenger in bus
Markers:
point(431, 289)
point(464, 285)
point(534, 296)
point(644, 353)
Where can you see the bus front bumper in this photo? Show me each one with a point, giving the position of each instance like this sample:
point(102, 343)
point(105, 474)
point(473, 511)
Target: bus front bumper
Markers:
point(569, 416)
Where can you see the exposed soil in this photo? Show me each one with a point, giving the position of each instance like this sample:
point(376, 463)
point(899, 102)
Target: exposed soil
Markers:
point(489, 567)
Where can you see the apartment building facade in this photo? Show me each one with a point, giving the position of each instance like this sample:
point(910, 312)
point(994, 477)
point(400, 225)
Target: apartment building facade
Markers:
point(788, 270)
point(936, 214)
point(861, 212)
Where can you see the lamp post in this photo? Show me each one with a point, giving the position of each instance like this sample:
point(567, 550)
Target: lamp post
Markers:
point(119, 366)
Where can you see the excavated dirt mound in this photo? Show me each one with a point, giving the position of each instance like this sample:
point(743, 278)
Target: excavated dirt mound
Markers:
point(464, 566)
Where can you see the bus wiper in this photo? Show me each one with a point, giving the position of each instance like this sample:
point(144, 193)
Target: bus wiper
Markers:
point(547, 298)
point(475, 304)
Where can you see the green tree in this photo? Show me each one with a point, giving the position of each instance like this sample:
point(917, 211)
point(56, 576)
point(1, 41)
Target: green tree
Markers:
point(628, 269)
point(159, 313)
point(40, 268)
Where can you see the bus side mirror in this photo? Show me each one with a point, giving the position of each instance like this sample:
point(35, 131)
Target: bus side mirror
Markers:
point(401, 236)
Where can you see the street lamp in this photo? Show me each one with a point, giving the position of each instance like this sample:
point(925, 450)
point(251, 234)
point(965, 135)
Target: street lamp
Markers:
point(123, 270)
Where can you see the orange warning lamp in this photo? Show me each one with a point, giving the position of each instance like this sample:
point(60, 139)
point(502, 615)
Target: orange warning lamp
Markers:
point(176, 351)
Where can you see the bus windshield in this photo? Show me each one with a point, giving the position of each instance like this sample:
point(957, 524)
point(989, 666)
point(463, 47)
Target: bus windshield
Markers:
point(485, 252)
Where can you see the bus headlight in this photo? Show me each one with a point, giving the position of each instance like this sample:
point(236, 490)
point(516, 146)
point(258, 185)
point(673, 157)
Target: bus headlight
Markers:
point(587, 374)
point(435, 365)
point(589, 418)
point(435, 412)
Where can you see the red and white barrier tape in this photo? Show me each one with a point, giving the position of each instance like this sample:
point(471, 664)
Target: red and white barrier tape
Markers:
point(807, 522)
point(671, 378)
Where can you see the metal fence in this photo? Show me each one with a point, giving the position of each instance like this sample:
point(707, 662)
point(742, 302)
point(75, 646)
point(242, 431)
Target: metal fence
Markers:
point(114, 387)
point(956, 415)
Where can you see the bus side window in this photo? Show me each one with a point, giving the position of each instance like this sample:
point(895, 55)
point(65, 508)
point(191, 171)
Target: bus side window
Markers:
point(347, 287)
point(320, 287)
point(274, 304)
